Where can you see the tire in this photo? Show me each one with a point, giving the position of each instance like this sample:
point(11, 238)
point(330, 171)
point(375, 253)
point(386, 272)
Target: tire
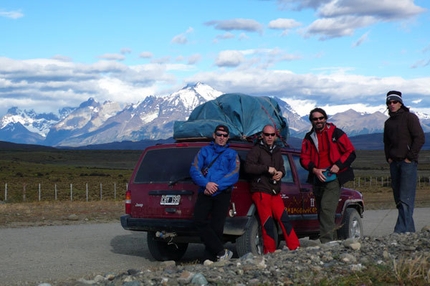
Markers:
point(352, 225)
point(252, 239)
point(163, 250)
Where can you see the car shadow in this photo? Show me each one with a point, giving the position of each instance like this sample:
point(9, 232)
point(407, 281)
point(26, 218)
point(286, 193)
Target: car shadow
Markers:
point(134, 244)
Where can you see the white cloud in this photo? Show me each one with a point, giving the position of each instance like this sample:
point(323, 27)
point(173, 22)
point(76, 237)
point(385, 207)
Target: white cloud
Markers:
point(11, 14)
point(248, 25)
point(284, 24)
point(146, 55)
point(112, 57)
point(229, 59)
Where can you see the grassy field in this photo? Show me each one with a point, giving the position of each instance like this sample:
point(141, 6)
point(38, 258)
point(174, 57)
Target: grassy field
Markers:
point(98, 180)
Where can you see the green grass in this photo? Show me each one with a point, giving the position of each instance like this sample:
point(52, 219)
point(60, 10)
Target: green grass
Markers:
point(25, 173)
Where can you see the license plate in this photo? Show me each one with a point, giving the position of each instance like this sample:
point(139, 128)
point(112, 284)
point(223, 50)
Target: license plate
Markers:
point(170, 200)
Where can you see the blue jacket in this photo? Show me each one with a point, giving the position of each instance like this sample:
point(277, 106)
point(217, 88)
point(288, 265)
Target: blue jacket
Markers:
point(224, 171)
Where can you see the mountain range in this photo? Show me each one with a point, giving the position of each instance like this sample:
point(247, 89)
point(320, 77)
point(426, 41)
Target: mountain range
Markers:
point(93, 123)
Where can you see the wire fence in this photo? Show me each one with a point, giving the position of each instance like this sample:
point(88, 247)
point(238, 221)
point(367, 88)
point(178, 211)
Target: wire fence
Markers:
point(382, 182)
point(93, 192)
point(32, 193)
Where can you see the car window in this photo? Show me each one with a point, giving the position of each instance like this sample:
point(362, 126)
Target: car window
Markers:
point(288, 178)
point(171, 164)
point(165, 165)
point(242, 156)
point(302, 172)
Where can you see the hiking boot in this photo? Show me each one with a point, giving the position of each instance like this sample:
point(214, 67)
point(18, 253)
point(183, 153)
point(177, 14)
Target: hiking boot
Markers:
point(226, 256)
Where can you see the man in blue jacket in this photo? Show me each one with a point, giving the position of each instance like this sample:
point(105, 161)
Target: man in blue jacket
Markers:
point(215, 169)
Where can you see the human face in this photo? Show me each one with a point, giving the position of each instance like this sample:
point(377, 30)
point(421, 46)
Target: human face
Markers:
point(220, 138)
point(393, 105)
point(318, 120)
point(269, 135)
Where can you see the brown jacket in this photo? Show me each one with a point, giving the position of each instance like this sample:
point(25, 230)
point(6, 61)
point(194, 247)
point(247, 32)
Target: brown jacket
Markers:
point(257, 164)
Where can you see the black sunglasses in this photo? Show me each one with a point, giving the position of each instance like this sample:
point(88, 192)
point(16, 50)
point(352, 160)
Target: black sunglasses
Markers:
point(269, 134)
point(221, 135)
point(392, 102)
point(318, 118)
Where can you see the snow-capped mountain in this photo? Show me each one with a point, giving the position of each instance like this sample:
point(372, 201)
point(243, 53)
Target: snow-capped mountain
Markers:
point(153, 118)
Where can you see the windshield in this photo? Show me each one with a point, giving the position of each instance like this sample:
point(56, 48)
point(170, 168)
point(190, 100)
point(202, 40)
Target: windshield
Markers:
point(165, 165)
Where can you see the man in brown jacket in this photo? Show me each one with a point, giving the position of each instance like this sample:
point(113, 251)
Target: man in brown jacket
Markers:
point(266, 166)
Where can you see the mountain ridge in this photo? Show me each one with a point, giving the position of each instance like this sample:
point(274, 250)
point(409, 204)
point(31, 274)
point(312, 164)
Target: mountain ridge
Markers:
point(94, 123)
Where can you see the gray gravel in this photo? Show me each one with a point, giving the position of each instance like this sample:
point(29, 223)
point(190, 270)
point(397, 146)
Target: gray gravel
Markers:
point(309, 265)
point(92, 252)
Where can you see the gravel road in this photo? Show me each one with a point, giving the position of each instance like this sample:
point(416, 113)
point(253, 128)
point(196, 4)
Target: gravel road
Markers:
point(55, 253)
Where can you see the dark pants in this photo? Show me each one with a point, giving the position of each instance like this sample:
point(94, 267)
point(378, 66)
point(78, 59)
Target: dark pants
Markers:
point(209, 216)
point(404, 183)
point(327, 197)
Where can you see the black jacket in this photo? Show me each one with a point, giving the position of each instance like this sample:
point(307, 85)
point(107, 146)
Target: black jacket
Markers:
point(403, 136)
point(257, 164)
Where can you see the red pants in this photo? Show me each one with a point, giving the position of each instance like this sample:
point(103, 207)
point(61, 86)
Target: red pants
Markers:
point(271, 209)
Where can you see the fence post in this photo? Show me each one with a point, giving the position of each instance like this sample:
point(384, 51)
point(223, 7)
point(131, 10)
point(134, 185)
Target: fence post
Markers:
point(71, 192)
point(23, 193)
point(5, 191)
point(101, 191)
point(114, 191)
point(86, 191)
point(40, 193)
point(55, 191)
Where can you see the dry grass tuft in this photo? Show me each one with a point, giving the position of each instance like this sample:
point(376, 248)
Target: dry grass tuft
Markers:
point(412, 270)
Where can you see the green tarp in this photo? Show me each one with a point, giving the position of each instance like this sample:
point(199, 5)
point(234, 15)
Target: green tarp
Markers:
point(244, 115)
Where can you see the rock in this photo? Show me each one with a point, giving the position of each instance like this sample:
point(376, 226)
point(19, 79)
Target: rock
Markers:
point(309, 265)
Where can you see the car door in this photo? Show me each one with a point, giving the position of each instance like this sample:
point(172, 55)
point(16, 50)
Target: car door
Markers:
point(291, 194)
point(309, 212)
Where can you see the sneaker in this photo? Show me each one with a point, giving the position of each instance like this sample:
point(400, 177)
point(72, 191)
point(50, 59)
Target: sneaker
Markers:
point(226, 256)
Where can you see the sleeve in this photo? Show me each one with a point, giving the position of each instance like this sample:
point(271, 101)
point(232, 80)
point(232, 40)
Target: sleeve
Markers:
point(252, 166)
point(346, 150)
point(305, 155)
point(232, 175)
point(417, 137)
point(386, 142)
point(196, 167)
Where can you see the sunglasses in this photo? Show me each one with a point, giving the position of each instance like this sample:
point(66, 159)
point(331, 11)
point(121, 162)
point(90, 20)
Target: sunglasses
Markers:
point(392, 102)
point(221, 135)
point(318, 118)
point(269, 134)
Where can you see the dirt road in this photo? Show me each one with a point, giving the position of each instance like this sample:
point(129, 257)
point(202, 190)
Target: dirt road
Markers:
point(55, 253)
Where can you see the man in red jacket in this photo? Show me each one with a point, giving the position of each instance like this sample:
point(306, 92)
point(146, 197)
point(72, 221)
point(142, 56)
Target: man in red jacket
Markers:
point(327, 153)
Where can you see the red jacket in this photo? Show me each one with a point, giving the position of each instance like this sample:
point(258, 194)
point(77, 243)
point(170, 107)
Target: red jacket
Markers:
point(341, 152)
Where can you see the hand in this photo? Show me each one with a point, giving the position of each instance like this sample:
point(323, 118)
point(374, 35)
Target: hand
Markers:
point(334, 169)
point(408, 161)
point(277, 176)
point(272, 171)
point(319, 174)
point(211, 188)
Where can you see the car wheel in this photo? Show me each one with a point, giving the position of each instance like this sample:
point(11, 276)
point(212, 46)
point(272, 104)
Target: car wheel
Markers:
point(352, 225)
point(164, 250)
point(252, 239)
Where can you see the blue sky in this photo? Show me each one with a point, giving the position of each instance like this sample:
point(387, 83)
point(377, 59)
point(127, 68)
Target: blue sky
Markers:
point(333, 54)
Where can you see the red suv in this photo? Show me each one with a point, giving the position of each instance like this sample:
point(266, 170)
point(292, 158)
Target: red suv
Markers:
point(161, 196)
